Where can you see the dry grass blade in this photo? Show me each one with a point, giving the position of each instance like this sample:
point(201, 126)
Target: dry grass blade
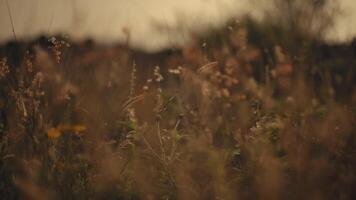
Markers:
point(132, 101)
point(207, 68)
point(165, 106)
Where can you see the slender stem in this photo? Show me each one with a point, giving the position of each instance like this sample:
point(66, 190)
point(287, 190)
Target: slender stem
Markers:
point(151, 148)
point(160, 140)
point(11, 20)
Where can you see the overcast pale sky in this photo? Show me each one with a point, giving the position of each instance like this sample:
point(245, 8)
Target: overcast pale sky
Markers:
point(153, 24)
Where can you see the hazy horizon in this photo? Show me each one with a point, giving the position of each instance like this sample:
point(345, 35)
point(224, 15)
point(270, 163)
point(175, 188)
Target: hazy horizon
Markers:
point(153, 26)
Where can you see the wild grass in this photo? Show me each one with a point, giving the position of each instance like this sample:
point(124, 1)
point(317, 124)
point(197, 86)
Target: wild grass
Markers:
point(249, 118)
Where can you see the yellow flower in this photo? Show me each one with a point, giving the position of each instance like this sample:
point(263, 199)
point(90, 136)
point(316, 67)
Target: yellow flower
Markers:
point(79, 128)
point(56, 132)
point(53, 133)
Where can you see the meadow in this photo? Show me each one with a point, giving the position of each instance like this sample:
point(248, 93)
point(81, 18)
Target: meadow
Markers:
point(250, 111)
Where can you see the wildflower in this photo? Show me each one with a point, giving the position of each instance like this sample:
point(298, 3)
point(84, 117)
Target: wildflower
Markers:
point(28, 62)
point(57, 132)
point(205, 89)
point(4, 68)
point(175, 71)
point(78, 128)
point(132, 80)
point(225, 92)
point(132, 115)
point(53, 133)
point(56, 48)
point(157, 74)
point(145, 88)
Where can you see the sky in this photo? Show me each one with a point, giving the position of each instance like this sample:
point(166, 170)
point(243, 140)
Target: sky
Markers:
point(152, 24)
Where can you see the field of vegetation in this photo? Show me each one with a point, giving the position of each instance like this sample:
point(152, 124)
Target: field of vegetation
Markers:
point(248, 112)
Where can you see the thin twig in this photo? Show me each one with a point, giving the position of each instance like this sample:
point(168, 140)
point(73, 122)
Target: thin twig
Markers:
point(124, 167)
point(151, 148)
point(165, 106)
point(174, 145)
point(160, 141)
point(11, 20)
